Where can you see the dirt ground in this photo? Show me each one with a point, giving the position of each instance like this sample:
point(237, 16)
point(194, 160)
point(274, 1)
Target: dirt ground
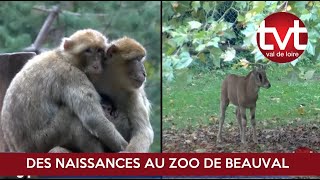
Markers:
point(203, 139)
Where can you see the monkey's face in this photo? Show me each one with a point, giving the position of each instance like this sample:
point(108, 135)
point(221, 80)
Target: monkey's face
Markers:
point(93, 59)
point(87, 46)
point(136, 72)
point(127, 57)
point(130, 73)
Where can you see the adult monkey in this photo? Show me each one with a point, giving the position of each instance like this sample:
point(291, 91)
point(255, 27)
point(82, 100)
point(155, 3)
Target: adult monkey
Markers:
point(123, 81)
point(121, 84)
point(52, 83)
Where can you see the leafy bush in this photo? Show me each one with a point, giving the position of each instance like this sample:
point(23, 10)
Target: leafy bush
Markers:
point(216, 34)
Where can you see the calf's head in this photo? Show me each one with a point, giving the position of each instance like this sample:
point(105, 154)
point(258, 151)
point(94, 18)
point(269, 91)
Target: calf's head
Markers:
point(261, 77)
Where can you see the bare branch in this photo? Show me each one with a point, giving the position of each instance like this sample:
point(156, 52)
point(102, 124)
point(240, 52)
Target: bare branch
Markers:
point(45, 27)
point(35, 47)
point(39, 8)
point(282, 6)
point(225, 13)
point(286, 6)
point(236, 47)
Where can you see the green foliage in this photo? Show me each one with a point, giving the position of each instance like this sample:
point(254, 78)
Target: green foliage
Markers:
point(204, 29)
point(20, 24)
point(308, 12)
point(16, 32)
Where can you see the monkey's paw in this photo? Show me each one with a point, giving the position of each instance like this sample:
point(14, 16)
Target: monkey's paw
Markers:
point(124, 152)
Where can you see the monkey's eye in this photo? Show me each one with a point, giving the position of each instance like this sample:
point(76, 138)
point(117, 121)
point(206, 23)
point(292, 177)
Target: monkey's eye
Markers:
point(88, 50)
point(140, 58)
point(137, 58)
point(100, 51)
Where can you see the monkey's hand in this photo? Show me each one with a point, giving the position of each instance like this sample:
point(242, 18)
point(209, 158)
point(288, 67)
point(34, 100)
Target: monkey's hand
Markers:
point(141, 140)
point(142, 132)
point(124, 145)
point(59, 149)
point(124, 152)
point(136, 149)
point(110, 136)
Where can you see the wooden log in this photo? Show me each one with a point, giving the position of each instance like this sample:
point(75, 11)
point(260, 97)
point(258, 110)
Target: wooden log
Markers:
point(10, 65)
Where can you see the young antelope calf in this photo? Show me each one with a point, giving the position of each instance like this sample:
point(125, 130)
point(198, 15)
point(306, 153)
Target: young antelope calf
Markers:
point(243, 93)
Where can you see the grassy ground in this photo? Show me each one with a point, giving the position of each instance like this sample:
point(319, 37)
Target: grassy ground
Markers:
point(194, 99)
point(287, 114)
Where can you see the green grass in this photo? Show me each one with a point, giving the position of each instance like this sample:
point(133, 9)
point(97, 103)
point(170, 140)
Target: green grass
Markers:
point(194, 98)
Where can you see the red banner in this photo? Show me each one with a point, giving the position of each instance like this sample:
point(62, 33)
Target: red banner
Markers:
point(160, 164)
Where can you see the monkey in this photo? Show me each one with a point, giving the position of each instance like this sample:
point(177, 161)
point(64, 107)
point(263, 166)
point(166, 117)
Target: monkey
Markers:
point(90, 60)
point(54, 84)
point(136, 74)
point(109, 108)
point(110, 111)
point(123, 80)
point(117, 117)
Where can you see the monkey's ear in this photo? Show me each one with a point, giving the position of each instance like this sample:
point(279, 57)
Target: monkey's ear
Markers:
point(66, 44)
point(113, 49)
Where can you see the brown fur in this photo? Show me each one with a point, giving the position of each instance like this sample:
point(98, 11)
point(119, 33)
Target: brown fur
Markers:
point(51, 86)
point(243, 93)
point(116, 82)
point(92, 38)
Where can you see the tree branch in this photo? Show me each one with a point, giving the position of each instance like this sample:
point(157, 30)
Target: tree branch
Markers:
point(225, 13)
point(44, 30)
point(39, 8)
point(282, 6)
point(45, 27)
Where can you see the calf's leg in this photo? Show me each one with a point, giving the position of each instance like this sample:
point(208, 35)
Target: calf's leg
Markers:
point(253, 123)
point(223, 107)
point(244, 124)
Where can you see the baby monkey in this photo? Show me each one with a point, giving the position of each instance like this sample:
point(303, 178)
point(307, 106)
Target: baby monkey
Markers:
point(109, 108)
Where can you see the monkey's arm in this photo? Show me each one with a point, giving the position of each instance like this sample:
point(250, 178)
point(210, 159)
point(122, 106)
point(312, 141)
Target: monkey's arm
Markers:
point(142, 132)
point(84, 101)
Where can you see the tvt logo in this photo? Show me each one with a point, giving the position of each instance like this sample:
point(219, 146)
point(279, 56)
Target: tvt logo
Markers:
point(282, 37)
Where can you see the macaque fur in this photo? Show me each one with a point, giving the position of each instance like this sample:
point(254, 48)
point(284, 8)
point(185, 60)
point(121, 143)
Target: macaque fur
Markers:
point(117, 117)
point(123, 81)
point(54, 84)
point(134, 74)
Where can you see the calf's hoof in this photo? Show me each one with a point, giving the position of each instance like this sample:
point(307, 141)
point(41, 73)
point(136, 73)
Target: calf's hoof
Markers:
point(244, 142)
point(219, 140)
